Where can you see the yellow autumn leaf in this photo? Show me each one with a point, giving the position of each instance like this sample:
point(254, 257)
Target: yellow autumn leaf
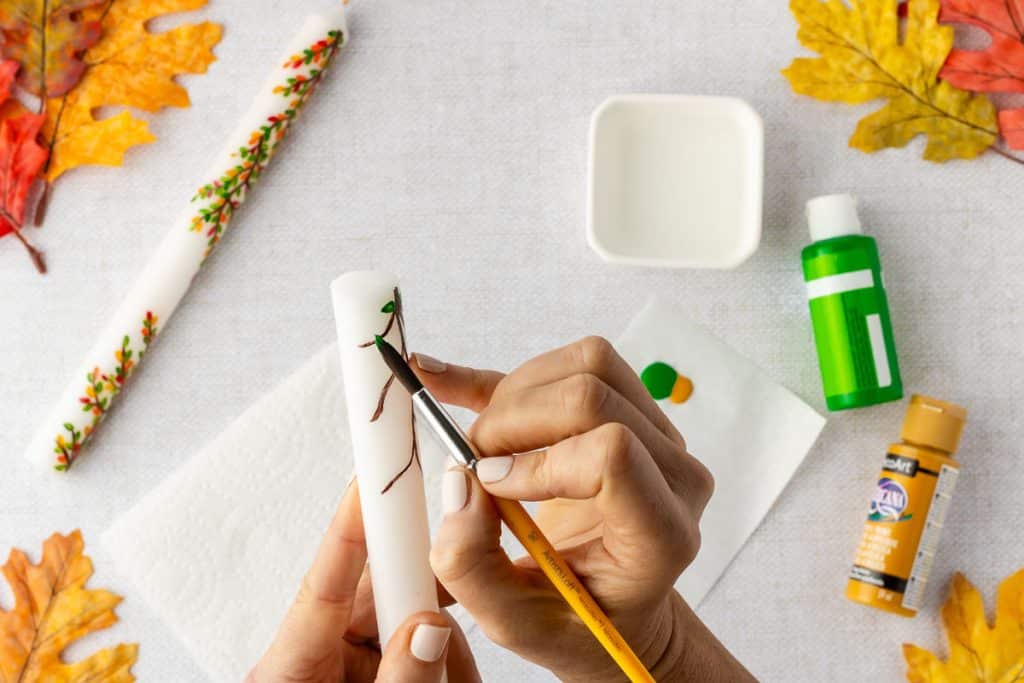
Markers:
point(978, 653)
point(131, 67)
point(863, 59)
point(52, 609)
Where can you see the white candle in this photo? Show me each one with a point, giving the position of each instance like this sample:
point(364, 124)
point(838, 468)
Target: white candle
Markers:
point(165, 279)
point(384, 449)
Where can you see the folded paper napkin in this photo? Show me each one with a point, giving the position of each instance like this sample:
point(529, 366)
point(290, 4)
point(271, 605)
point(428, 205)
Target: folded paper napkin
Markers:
point(219, 548)
point(749, 431)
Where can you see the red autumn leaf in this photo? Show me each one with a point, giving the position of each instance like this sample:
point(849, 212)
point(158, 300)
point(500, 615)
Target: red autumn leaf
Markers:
point(999, 67)
point(21, 159)
point(47, 39)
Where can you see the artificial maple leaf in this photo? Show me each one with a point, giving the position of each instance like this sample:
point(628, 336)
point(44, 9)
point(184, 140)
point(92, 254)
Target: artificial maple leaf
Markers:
point(52, 609)
point(21, 159)
point(999, 67)
point(130, 67)
point(863, 59)
point(977, 653)
point(47, 38)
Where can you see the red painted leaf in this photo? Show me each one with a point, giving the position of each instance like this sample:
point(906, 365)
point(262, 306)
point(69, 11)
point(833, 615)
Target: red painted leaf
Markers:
point(999, 67)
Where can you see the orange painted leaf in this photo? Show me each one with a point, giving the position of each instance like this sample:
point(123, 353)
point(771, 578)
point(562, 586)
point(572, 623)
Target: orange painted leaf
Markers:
point(47, 38)
point(999, 67)
point(129, 66)
point(52, 609)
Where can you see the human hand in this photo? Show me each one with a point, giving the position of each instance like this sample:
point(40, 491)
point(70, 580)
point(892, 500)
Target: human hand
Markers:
point(622, 500)
point(320, 642)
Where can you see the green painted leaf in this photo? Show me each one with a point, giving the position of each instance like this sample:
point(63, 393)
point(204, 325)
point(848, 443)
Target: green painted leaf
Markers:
point(389, 307)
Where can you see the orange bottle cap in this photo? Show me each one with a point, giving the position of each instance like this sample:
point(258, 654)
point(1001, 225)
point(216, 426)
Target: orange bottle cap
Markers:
point(934, 423)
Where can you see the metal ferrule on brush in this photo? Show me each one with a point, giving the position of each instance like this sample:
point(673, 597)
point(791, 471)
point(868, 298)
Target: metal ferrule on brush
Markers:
point(448, 431)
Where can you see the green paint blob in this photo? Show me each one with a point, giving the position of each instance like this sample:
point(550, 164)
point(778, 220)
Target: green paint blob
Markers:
point(659, 378)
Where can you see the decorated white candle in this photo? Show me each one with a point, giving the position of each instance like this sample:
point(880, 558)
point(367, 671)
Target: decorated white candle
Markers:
point(165, 279)
point(386, 458)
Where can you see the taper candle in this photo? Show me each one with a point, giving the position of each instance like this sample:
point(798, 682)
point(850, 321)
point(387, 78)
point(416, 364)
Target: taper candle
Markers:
point(166, 278)
point(367, 304)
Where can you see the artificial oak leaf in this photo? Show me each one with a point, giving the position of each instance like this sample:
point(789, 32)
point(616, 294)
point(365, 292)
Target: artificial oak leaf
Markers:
point(130, 67)
point(1011, 125)
point(978, 653)
point(997, 68)
point(52, 609)
point(863, 59)
point(47, 38)
point(21, 159)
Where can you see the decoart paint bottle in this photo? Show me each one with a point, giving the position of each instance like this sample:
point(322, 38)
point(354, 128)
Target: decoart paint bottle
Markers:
point(908, 509)
point(849, 310)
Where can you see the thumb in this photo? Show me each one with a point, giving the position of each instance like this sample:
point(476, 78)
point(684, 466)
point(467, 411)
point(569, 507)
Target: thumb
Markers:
point(417, 651)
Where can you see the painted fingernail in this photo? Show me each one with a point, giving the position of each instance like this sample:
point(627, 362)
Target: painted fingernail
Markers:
point(430, 364)
point(454, 491)
point(494, 469)
point(428, 642)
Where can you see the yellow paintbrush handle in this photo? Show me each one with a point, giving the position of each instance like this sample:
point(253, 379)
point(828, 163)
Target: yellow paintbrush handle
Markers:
point(572, 589)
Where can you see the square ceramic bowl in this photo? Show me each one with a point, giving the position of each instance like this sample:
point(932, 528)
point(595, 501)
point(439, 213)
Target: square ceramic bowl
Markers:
point(675, 181)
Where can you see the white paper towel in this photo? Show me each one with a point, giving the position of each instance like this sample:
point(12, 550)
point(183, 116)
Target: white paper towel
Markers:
point(219, 548)
point(749, 431)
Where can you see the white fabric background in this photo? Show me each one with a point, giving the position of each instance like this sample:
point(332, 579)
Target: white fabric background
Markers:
point(450, 147)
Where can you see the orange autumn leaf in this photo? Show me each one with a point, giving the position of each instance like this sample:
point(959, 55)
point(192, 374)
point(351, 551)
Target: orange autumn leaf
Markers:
point(47, 38)
point(132, 67)
point(997, 68)
point(52, 609)
point(978, 653)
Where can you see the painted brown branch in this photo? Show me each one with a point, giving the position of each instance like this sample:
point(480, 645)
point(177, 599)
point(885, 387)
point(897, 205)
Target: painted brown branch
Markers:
point(383, 396)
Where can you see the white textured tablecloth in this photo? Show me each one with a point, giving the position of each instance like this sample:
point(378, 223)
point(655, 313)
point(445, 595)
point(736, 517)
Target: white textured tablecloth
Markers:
point(450, 147)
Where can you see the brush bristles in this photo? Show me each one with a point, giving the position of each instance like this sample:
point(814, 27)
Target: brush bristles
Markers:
point(398, 366)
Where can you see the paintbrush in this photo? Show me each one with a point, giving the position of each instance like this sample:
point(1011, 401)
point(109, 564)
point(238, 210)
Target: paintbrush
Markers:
point(518, 521)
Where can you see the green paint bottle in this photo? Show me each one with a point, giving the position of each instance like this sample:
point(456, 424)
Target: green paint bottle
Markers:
point(849, 311)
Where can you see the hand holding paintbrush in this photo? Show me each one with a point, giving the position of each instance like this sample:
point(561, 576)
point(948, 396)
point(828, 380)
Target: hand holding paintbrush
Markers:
point(622, 504)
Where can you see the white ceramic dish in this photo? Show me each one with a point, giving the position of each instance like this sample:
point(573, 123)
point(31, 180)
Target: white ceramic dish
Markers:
point(675, 181)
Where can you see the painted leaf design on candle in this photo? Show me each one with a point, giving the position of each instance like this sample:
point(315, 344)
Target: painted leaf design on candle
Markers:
point(102, 386)
point(393, 309)
point(226, 194)
point(52, 610)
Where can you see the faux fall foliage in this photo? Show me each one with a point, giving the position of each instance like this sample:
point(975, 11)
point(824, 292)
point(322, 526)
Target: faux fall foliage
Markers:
point(978, 653)
point(864, 58)
point(52, 609)
point(72, 57)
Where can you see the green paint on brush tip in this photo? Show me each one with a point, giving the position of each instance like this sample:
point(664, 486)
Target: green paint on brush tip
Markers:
point(659, 378)
point(379, 341)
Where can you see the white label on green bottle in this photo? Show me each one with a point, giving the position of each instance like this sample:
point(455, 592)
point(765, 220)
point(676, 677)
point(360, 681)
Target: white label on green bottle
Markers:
point(838, 284)
point(878, 352)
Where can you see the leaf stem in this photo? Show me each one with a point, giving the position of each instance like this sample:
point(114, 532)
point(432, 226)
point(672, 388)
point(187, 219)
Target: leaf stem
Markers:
point(37, 256)
point(1006, 155)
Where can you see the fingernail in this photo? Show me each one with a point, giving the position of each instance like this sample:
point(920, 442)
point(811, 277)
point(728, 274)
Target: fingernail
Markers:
point(454, 491)
point(430, 364)
point(428, 642)
point(494, 469)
